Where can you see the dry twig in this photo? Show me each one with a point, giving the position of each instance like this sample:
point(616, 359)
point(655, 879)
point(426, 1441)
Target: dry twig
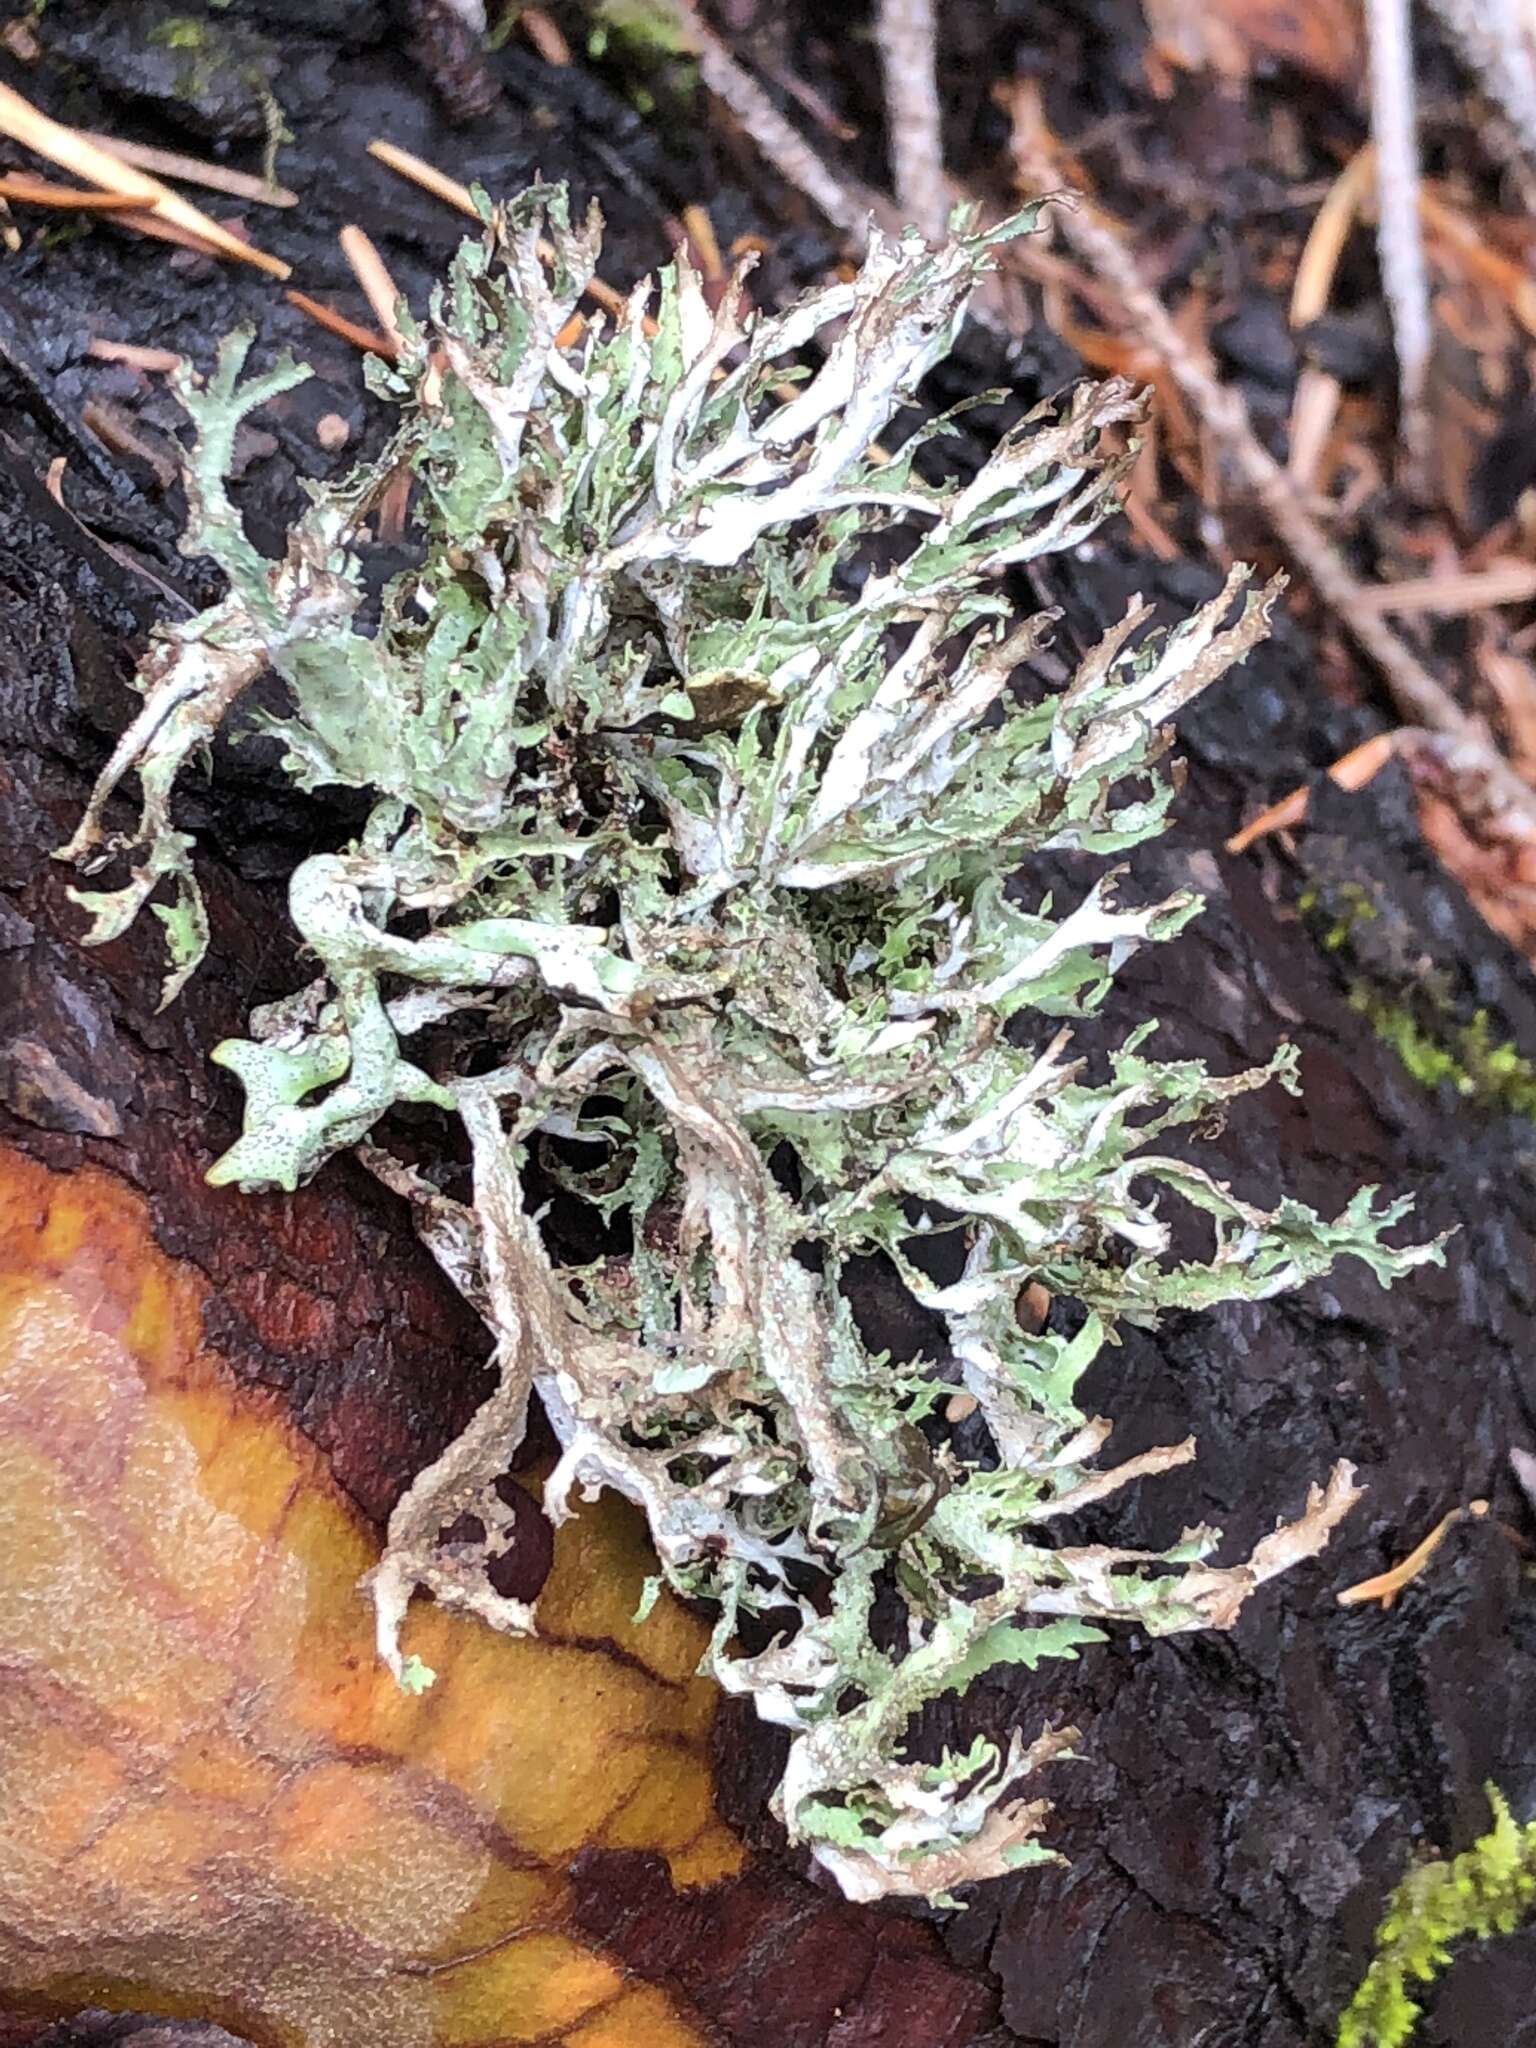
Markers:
point(784, 147)
point(907, 39)
point(192, 170)
point(1399, 243)
point(1419, 697)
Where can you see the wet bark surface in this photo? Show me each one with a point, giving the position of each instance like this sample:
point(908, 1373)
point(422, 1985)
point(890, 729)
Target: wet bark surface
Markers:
point(1244, 1802)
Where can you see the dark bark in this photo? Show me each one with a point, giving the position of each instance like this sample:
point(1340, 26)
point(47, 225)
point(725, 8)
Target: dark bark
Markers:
point(1245, 1801)
point(94, 2028)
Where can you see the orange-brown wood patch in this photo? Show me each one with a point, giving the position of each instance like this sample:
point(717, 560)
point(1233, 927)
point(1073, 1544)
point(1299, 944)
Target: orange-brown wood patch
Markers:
point(212, 1799)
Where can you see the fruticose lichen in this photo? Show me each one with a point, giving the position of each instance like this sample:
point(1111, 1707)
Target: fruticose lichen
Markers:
point(702, 760)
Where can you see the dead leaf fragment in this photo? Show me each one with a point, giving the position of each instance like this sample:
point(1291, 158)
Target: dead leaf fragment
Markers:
point(1321, 38)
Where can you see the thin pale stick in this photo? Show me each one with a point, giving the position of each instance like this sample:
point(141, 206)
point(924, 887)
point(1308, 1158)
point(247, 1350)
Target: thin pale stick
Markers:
point(1453, 596)
point(784, 147)
point(193, 170)
point(1314, 409)
point(1399, 241)
point(907, 38)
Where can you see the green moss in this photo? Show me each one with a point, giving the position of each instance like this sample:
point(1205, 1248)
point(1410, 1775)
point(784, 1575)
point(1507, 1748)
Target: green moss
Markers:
point(1437, 1047)
point(1495, 1077)
point(213, 60)
point(1426, 1059)
point(180, 32)
point(1489, 1889)
point(643, 28)
point(200, 50)
point(645, 46)
point(62, 233)
point(1339, 915)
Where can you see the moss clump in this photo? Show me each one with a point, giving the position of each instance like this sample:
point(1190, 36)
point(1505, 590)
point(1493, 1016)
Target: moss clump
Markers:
point(1346, 908)
point(642, 28)
point(1437, 1047)
point(180, 32)
point(1495, 1077)
point(1489, 1889)
point(645, 45)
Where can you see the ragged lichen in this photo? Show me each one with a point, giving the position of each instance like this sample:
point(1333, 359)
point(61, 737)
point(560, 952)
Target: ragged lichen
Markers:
point(1488, 1890)
point(703, 754)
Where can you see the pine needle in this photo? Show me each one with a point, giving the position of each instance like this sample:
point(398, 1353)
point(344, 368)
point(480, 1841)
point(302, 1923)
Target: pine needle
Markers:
point(23, 123)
